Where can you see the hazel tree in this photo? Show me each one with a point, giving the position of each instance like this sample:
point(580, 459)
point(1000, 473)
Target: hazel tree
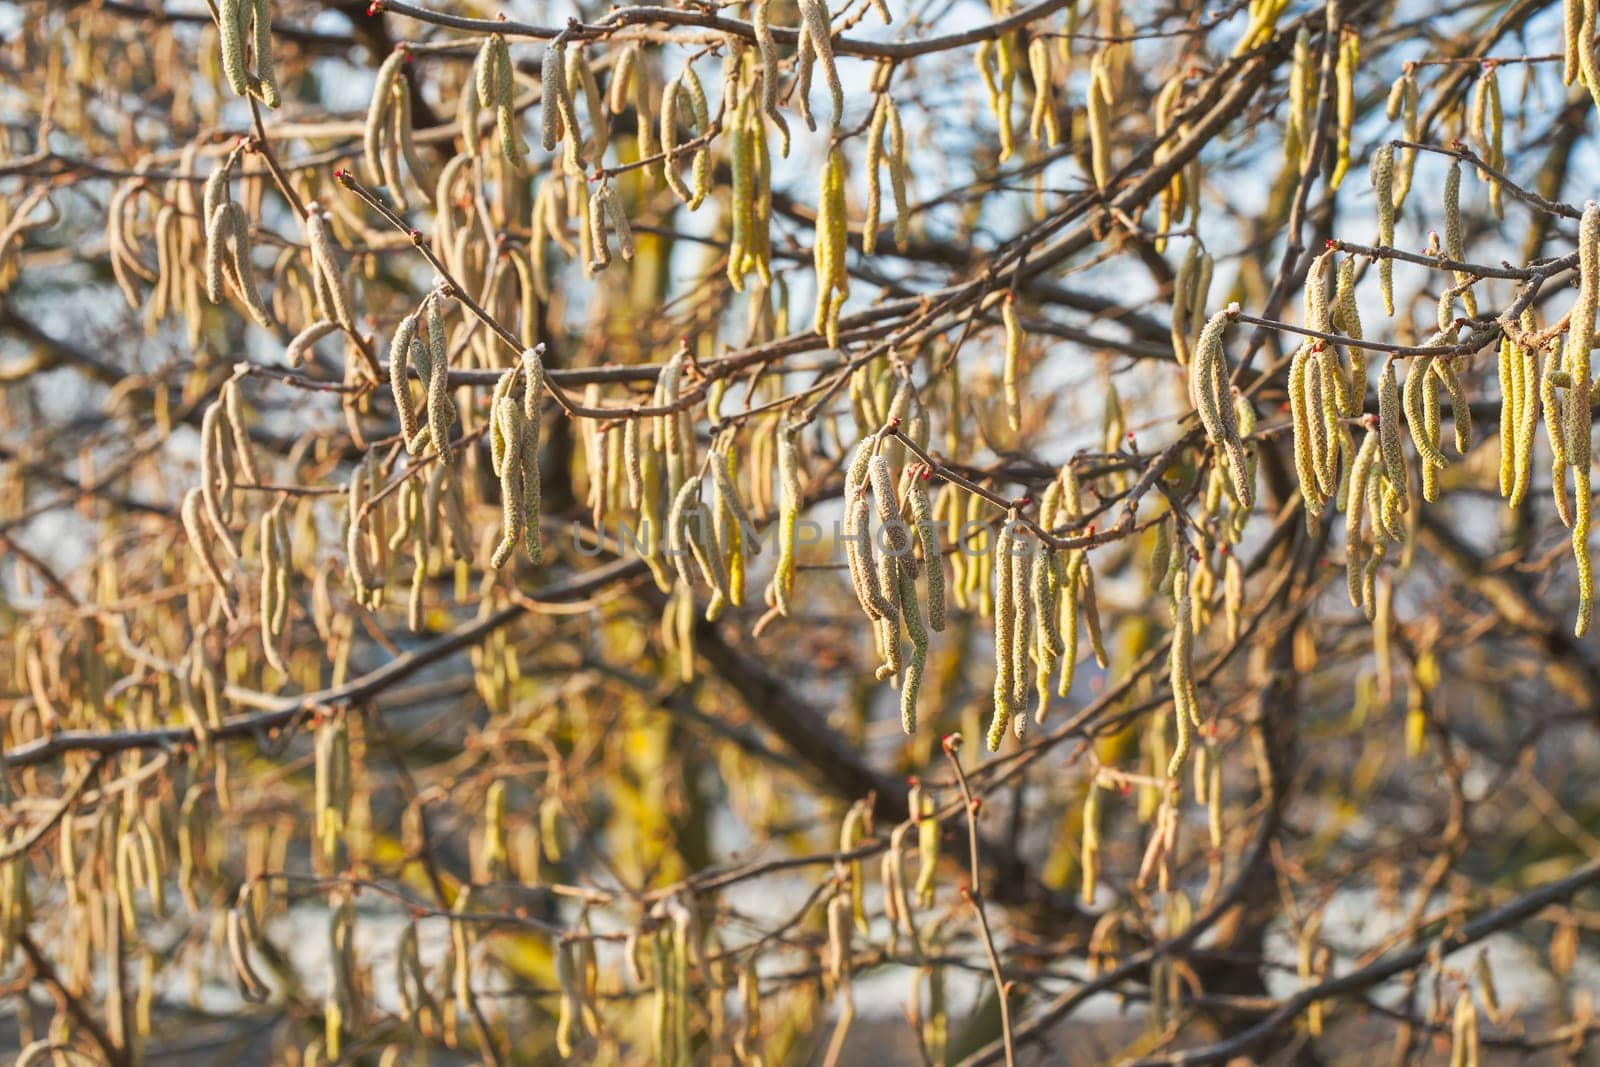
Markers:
point(521, 544)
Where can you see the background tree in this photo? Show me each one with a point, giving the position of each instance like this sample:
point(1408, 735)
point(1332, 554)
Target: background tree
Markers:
point(518, 536)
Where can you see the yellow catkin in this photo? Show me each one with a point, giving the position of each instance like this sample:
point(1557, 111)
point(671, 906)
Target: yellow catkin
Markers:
point(832, 244)
point(1580, 339)
point(1345, 101)
point(898, 173)
point(1042, 119)
point(790, 501)
point(767, 48)
point(1013, 358)
point(1099, 122)
point(874, 160)
point(1089, 853)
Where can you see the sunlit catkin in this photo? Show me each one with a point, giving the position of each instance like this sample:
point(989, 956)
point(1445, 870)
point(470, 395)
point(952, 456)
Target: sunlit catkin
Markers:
point(1344, 75)
point(1580, 339)
point(1099, 121)
point(927, 530)
point(790, 493)
point(1005, 561)
point(832, 244)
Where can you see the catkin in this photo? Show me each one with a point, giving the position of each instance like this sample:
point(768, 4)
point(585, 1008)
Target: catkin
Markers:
point(1042, 118)
point(441, 409)
point(1099, 121)
point(1013, 357)
point(230, 32)
point(1344, 75)
point(832, 243)
point(1487, 126)
point(1181, 672)
point(194, 526)
point(1089, 854)
point(874, 160)
point(1454, 242)
point(1383, 189)
point(1394, 462)
point(325, 267)
point(554, 105)
point(509, 428)
point(373, 141)
point(767, 48)
point(1580, 339)
point(1005, 617)
point(399, 363)
point(927, 529)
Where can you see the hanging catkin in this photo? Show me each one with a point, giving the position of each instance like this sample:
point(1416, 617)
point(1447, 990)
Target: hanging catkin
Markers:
point(1181, 672)
point(1344, 75)
point(1005, 618)
point(1580, 339)
point(832, 244)
point(790, 495)
point(767, 48)
point(1099, 121)
point(1383, 189)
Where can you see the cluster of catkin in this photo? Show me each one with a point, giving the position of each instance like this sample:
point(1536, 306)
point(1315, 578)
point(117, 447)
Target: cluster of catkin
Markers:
point(1039, 595)
point(388, 133)
point(891, 538)
point(245, 26)
point(207, 511)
